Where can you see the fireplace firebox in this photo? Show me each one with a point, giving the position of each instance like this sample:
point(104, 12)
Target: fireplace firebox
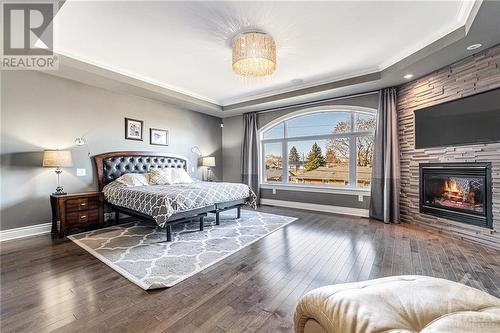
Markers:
point(457, 191)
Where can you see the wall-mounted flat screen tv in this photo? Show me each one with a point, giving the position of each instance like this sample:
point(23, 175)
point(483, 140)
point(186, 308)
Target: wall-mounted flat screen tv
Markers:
point(470, 120)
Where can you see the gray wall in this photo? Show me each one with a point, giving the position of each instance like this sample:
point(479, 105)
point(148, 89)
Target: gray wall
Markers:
point(231, 142)
point(40, 111)
point(232, 134)
point(332, 199)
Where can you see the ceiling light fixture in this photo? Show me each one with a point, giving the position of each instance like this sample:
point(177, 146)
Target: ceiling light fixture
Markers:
point(80, 141)
point(408, 76)
point(474, 46)
point(297, 81)
point(254, 54)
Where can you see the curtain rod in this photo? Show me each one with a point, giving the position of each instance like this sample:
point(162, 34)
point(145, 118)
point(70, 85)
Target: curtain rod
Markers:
point(317, 102)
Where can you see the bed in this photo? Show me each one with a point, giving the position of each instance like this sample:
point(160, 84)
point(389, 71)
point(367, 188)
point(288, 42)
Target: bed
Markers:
point(165, 205)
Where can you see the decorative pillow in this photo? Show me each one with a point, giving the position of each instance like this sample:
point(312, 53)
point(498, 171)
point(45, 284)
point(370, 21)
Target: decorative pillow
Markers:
point(180, 176)
point(160, 176)
point(134, 179)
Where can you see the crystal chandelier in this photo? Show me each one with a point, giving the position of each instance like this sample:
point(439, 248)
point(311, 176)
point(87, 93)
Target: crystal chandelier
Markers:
point(254, 54)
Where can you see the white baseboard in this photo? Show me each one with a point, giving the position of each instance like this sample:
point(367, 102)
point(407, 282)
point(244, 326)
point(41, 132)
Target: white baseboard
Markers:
point(22, 232)
point(315, 207)
point(39, 229)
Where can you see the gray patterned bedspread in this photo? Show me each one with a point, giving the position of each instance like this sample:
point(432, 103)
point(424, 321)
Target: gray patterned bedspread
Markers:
point(162, 201)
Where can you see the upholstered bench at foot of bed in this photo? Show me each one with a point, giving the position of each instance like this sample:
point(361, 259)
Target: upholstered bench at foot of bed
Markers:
point(400, 304)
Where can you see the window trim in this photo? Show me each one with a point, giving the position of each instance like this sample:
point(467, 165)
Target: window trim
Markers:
point(284, 143)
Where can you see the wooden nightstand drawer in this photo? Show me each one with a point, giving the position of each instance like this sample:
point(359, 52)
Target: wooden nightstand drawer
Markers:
point(77, 209)
point(88, 216)
point(82, 204)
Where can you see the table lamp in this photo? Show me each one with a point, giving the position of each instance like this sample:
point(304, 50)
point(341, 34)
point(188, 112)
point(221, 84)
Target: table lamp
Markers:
point(208, 162)
point(58, 159)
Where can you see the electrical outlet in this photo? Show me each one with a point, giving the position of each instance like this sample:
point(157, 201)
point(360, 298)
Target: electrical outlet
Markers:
point(81, 172)
point(360, 198)
point(274, 191)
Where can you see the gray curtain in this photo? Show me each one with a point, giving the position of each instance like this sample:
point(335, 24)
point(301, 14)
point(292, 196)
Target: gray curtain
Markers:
point(384, 200)
point(250, 153)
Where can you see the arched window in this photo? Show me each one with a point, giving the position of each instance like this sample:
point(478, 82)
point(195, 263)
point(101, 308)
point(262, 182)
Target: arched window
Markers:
point(320, 146)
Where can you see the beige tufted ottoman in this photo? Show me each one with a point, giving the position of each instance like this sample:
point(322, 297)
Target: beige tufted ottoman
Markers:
point(398, 304)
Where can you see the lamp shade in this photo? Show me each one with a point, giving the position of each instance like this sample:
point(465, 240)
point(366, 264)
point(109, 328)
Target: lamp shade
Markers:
point(208, 161)
point(57, 158)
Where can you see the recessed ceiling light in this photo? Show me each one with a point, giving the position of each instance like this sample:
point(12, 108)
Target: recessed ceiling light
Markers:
point(297, 81)
point(474, 46)
point(408, 76)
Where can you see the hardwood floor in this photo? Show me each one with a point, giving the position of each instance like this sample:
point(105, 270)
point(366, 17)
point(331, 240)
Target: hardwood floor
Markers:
point(54, 285)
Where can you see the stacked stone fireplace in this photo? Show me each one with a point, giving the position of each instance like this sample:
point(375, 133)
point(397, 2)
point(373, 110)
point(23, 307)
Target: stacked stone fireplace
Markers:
point(475, 74)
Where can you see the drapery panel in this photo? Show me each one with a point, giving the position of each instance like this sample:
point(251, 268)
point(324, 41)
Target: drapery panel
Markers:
point(385, 186)
point(250, 153)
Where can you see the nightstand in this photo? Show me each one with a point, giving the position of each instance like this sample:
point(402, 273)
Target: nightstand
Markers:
point(76, 209)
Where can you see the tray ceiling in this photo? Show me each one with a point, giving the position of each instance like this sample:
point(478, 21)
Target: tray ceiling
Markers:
point(185, 46)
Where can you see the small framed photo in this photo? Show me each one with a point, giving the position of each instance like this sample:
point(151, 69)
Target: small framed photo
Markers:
point(158, 137)
point(133, 129)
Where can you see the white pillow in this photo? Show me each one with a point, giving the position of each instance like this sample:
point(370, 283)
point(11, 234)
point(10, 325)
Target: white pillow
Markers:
point(180, 176)
point(160, 176)
point(134, 179)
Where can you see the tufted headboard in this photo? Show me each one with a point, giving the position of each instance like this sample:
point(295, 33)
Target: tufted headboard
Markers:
point(112, 165)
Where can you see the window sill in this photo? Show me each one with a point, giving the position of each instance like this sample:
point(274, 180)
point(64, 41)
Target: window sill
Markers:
point(317, 189)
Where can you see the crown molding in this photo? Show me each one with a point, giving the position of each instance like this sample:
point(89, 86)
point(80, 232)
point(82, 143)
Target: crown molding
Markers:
point(306, 91)
point(388, 73)
point(95, 75)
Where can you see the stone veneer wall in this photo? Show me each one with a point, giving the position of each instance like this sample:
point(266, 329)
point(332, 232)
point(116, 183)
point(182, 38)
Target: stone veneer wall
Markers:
point(477, 73)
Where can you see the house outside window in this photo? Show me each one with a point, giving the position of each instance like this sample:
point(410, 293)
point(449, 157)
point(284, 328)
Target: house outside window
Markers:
point(331, 147)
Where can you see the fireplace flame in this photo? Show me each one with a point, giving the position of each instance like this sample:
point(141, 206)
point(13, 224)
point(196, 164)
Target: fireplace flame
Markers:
point(451, 186)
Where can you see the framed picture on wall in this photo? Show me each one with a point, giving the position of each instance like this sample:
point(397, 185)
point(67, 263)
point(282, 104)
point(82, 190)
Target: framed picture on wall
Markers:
point(158, 137)
point(133, 129)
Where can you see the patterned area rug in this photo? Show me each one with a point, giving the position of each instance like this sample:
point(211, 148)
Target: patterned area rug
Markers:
point(139, 251)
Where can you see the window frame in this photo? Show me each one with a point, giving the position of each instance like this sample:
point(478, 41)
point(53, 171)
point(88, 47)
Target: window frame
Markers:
point(285, 140)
